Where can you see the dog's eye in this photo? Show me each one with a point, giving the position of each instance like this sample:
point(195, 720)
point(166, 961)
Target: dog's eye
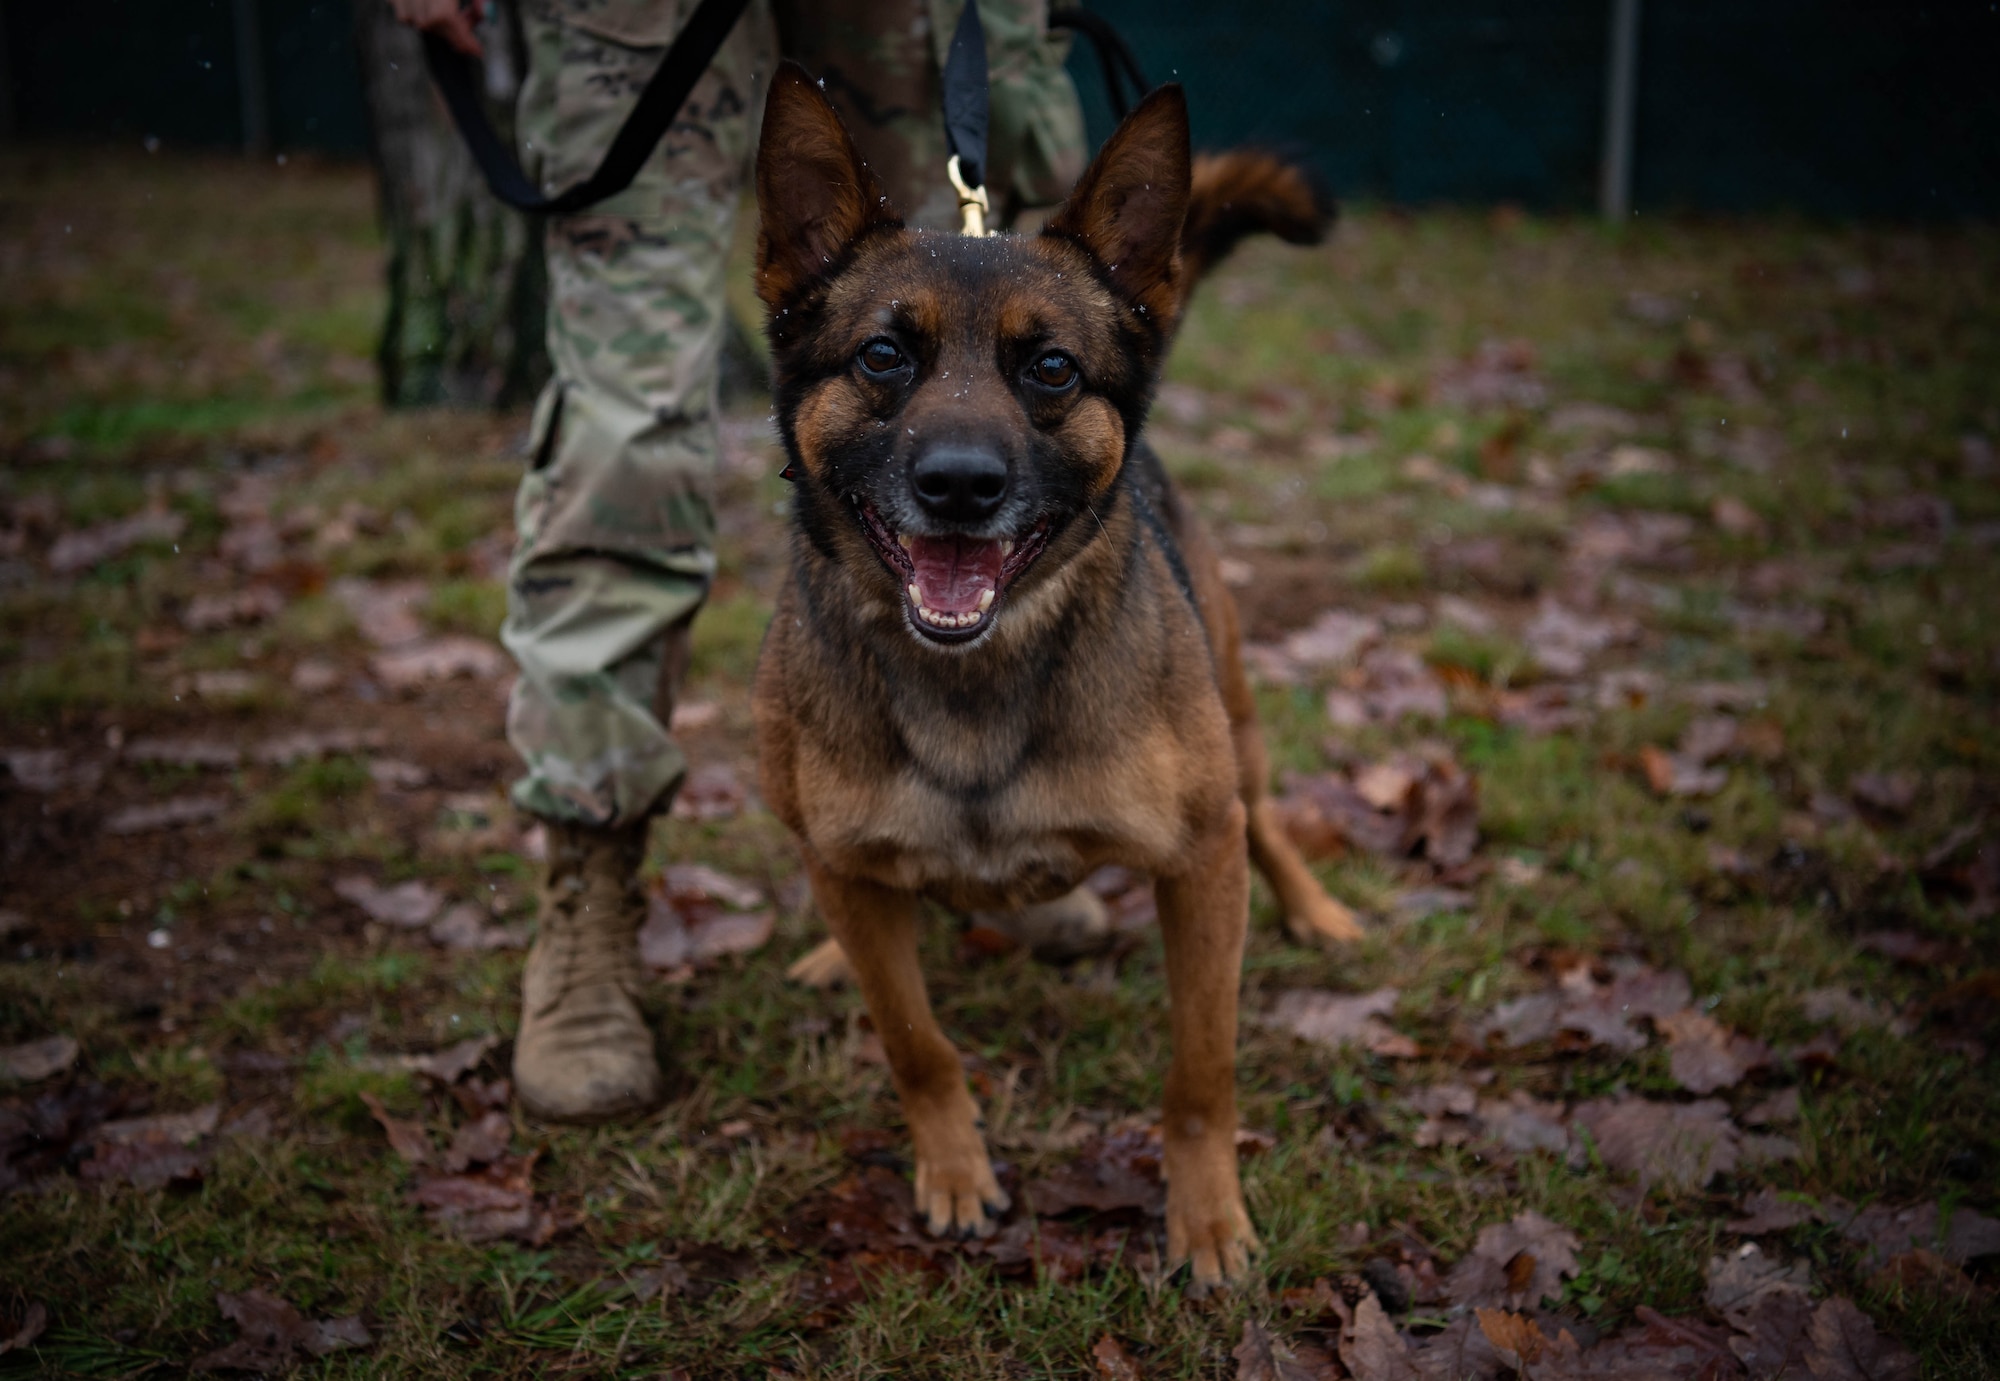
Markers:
point(881, 356)
point(1055, 370)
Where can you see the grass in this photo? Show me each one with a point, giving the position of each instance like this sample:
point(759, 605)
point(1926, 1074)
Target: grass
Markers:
point(158, 347)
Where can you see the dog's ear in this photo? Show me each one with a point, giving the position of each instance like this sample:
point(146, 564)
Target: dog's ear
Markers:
point(1128, 206)
point(815, 196)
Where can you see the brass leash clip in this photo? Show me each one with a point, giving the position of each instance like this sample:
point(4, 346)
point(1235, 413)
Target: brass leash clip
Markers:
point(972, 204)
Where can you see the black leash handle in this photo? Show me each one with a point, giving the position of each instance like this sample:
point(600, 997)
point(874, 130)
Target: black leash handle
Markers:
point(459, 80)
point(1114, 56)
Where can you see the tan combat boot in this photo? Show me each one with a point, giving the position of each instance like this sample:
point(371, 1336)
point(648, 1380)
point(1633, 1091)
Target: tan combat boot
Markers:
point(584, 1053)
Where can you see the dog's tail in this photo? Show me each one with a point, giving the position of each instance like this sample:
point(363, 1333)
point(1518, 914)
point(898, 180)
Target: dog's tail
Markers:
point(1248, 192)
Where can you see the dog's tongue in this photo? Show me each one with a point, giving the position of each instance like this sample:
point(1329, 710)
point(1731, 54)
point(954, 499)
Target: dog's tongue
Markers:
point(953, 572)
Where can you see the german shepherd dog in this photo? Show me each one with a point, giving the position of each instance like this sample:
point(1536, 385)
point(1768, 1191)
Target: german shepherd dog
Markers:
point(1004, 655)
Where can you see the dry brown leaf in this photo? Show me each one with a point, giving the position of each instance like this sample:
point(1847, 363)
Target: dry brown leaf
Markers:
point(1515, 1264)
point(1261, 1356)
point(302, 745)
point(491, 1203)
point(386, 614)
point(1371, 1348)
point(712, 791)
point(183, 752)
point(34, 1061)
point(479, 1142)
point(77, 551)
point(272, 1334)
point(1705, 1055)
point(407, 1138)
point(165, 815)
point(1738, 1281)
point(1844, 1346)
point(417, 664)
point(34, 1321)
point(1514, 1336)
point(1336, 637)
point(407, 904)
point(469, 927)
point(454, 1062)
point(1108, 1174)
point(1337, 1019)
point(1113, 1362)
point(1885, 1231)
point(1679, 1146)
point(1768, 1211)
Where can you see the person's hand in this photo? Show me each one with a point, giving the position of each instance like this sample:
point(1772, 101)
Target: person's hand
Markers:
point(445, 19)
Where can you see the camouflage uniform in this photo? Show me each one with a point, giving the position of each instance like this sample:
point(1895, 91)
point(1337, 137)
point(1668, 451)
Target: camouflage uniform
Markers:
point(615, 524)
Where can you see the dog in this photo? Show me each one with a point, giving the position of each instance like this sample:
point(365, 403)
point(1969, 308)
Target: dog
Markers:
point(1004, 655)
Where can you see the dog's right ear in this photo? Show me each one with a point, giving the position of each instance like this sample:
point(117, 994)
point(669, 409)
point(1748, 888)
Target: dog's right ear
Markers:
point(815, 196)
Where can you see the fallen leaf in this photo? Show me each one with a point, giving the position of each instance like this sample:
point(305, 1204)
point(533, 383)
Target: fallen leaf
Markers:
point(1885, 1231)
point(695, 883)
point(77, 551)
point(34, 1321)
point(1334, 638)
point(454, 1062)
point(385, 613)
point(49, 770)
point(1781, 1109)
point(413, 665)
point(1704, 1055)
point(468, 927)
point(1337, 1019)
point(394, 774)
point(1523, 1123)
point(1769, 1210)
point(1263, 1357)
point(252, 604)
point(305, 745)
point(34, 1061)
point(179, 1129)
point(1563, 642)
point(712, 791)
point(407, 904)
point(1680, 1146)
point(1514, 1336)
point(272, 1334)
point(1844, 1346)
point(165, 815)
point(1670, 774)
point(1924, 1272)
point(1887, 794)
point(1906, 947)
point(184, 752)
point(1735, 517)
point(1107, 1174)
point(478, 1142)
point(407, 1138)
point(1114, 1363)
point(1371, 1348)
point(491, 1203)
point(1738, 1281)
point(1515, 1264)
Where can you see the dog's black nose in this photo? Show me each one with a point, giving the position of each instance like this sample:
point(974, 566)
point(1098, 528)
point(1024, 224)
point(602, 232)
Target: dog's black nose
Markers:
point(959, 484)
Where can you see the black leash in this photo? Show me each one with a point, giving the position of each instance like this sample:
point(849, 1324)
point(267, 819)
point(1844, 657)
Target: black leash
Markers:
point(459, 80)
point(1114, 56)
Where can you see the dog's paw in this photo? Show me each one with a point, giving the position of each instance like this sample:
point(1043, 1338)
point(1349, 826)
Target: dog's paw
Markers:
point(957, 1193)
point(1207, 1224)
point(1322, 921)
point(825, 966)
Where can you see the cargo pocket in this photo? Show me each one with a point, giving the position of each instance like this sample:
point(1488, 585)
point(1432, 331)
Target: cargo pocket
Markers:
point(633, 23)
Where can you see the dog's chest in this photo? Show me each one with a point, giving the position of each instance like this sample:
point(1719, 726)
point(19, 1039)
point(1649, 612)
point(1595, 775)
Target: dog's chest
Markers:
point(1004, 813)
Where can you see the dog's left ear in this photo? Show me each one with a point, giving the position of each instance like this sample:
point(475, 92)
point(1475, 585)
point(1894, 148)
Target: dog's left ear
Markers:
point(815, 196)
point(1128, 207)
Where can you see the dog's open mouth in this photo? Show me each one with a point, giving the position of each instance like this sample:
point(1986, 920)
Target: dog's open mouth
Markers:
point(952, 585)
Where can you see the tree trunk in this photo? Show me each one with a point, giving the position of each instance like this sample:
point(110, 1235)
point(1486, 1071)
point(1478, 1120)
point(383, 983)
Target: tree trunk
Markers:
point(467, 286)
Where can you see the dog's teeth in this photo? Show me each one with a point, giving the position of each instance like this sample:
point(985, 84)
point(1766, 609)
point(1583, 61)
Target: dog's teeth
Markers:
point(985, 600)
point(917, 597)
point(904, 540)
point(1006, 548)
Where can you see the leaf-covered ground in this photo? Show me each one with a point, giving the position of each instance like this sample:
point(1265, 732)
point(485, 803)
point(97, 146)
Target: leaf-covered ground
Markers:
point(1623, 607)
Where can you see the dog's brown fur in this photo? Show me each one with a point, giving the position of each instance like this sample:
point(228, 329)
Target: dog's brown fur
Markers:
point(1101, 714)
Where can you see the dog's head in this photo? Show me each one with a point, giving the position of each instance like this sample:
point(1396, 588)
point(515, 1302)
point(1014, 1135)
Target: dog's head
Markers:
point(957, 407)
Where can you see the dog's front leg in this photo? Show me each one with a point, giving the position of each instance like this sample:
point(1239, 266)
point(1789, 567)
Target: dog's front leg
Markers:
point(877, 927)
point(1203, 914)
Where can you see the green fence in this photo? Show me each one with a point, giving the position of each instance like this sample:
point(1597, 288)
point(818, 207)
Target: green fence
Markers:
point(1851, 109)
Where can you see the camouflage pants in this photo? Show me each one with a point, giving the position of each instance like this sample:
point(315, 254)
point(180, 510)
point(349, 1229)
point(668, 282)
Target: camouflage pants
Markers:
point(615, 525)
